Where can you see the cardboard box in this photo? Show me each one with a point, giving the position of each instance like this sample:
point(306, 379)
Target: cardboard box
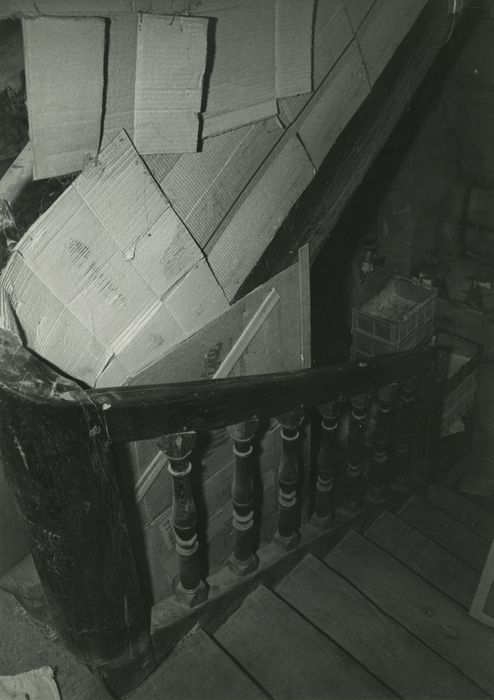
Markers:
point(337, 100)
point(383, 30)
point(202, 187)
point(239, 243)
point(102, 275)
point(64, 61)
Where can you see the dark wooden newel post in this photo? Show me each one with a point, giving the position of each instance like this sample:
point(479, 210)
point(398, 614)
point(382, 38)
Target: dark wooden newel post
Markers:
point(288, 535)
point(403, 435)
point(190, 587)
point(57, 460)
point(323, 514)
point(243, 560)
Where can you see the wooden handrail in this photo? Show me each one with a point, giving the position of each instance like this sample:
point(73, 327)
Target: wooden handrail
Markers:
point(142, 412)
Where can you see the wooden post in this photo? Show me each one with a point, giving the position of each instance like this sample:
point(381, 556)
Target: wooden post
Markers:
point(379, 466)
point(288, 535)
point(323, 515)
point(56, 455)
point(353, 487)
point(190, 587)
point(243, 560)
point(403, 435)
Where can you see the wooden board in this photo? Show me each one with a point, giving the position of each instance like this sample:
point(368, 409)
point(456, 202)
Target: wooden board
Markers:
point(415, 604)
point(471, 515)
point(442, 569)
point(197, 669)
point(289, 657)
point(447, 532)
point(391, 653)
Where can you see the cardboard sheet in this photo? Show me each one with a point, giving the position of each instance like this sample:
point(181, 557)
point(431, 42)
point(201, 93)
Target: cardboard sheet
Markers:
point(383, 29)
point(242, 83)
point(240, 242)
point(339, 97)
point(64, 60)
point(203, 187)
point(357, 10)
point(294, 27)
point(103, 273)
point(170, 66)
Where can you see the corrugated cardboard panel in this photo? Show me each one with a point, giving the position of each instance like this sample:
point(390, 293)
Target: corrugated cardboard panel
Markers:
point(160, 164)
point(294, 26)
point(332, 34)
point(64, 84)
point(357, 10)
point(120, 77)
point(203, 187)
point(237, 246)
point(383, 30)
point(107, 251)
point(341, 94)
point(243, 73)
point(170, 65)
point(99, 8)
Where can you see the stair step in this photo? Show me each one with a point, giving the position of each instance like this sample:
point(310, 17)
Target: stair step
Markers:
point(289, 657)
point(428, 614)
point(469, 514)
point(383, 646)
point(198, 669)
point(446, 531)
point(442, 569)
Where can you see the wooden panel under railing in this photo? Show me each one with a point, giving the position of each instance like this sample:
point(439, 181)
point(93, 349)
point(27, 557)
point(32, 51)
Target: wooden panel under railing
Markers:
point(56, 445)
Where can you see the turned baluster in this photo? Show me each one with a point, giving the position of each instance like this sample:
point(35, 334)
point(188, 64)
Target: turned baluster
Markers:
point(353, 479)
point(243, 560)
point(379, 464)
point(288, 535)
point(323, 514)
point(403, 435)
point(189, 587)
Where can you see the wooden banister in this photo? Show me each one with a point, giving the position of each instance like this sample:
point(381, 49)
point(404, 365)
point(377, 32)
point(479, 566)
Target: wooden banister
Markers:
point(142, 412)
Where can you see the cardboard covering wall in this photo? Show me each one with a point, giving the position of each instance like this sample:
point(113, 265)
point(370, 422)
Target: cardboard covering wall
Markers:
point(110, 271)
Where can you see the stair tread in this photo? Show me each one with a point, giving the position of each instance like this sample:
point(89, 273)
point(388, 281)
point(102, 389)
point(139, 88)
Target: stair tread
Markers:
point(446, 531)
point(469, 514)
point(289, 657)
point(414, 603)
point(198, 669)
point(441, 568)
point(383, 646)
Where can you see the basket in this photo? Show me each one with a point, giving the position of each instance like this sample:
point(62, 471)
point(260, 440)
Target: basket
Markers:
point(457, 364)
point(398, 318)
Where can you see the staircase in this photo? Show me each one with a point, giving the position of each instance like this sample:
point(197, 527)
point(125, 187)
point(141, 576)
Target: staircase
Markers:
point(385, 614)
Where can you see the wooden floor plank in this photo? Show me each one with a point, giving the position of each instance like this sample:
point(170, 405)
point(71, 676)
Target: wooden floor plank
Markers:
point(446, 531)
point(289, 657)
point(414, 603)
point(471, 515)
point(198, 670)
point(383, 646)
point(444, 570)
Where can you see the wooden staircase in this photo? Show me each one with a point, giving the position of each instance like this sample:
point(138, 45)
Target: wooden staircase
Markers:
point(385, 614)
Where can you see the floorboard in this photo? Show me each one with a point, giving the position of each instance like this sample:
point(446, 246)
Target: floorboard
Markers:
point(446, 531)
point(471, 515)
point(428, 614)
point(444, 570)
point(198, 670)
point(289, 657)
point(383, 646)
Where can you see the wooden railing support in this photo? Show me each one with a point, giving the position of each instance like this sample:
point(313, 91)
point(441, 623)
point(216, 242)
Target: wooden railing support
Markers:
point(288, 536)
point(353, 479)
point(403, 435)
point(243, 559)
point(57, 460)
point(379, 472)
point(189, 587)
point(323, 515)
